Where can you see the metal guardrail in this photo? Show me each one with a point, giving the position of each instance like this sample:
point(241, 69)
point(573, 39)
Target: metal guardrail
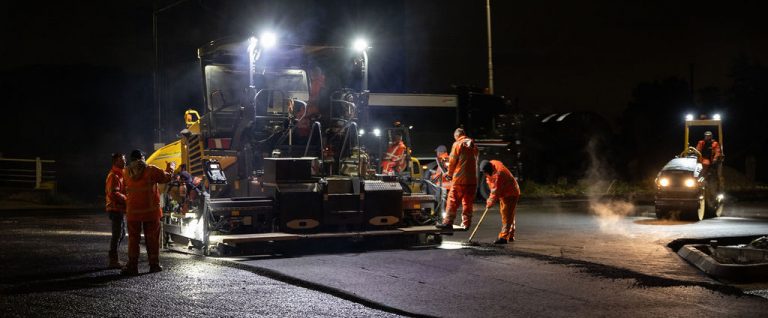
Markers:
point(37, 174)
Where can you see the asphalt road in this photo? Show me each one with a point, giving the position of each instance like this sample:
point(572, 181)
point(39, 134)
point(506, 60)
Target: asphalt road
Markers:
point(53, 265)
point(572, 258)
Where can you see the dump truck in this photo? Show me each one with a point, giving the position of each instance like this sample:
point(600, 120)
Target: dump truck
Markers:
point(275, 156)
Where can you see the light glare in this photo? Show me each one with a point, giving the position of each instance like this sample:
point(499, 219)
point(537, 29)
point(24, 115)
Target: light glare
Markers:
point(689, 117)
point(690, 182)
point(377, 132)
point(360, 45)
point(268, 39)
point(663, 182)
point(716, 116)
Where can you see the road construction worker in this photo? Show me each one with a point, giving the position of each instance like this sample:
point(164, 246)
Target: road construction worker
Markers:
point(441, 156)
point(143, 210)
point(505, 190)
point(114, 193)
point(394, 159)
point(462, 172)
point(710, 151)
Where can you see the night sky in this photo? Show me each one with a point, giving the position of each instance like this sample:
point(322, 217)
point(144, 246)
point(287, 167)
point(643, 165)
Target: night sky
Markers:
point(93, 59)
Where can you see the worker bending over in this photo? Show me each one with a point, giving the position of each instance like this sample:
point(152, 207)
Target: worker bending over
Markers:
point(505, 190)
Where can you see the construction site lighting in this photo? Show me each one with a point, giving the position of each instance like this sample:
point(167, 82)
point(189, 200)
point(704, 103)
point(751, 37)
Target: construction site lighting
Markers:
point(663, 182)
point(716, 116)
point(690, 182)
point(689, 117)
point(377, 132)
point(361, 132)
point(360, 45)
point(268, 39)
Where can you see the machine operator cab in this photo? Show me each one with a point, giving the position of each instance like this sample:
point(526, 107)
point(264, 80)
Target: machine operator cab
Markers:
point(691, 186)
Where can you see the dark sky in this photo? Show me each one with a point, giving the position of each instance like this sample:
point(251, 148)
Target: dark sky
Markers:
point(77, 74)
point(552, 55)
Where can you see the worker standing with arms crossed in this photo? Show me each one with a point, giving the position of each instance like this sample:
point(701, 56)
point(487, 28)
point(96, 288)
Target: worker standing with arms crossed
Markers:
point(505, 190)
point(462, 170)
point(143, 210)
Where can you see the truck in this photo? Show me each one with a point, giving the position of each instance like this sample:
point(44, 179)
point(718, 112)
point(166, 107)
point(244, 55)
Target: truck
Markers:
point(275, 158)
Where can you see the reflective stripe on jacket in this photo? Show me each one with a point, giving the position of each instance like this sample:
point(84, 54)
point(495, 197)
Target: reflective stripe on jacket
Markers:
point(394, 159)
point(462, 162)
point(502, 183)
point(114, 191)
point(143, 203)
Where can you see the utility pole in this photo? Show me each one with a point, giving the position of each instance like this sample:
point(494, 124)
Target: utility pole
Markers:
point(156, 71)
point(490, 46)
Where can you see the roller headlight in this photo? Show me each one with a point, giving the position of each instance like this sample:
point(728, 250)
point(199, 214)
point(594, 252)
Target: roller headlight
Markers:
point(690, 182)
point(664, 182)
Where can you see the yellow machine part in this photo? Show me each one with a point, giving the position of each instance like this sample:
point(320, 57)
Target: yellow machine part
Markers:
point(168, 153)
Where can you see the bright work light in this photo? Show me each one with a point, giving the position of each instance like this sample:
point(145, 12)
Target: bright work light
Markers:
point(360, 45)
point(268, 39)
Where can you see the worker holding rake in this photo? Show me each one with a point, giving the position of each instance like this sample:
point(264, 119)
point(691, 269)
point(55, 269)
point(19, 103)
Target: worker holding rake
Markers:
point(505, 190)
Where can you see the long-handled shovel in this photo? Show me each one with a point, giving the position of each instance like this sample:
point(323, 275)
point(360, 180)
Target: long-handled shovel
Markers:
point(469, 240)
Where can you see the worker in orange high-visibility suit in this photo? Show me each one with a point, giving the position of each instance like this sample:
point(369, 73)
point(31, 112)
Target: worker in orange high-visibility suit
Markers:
point(505, 190)
point(462, 171)
point(710, 152)
point(114, 192)
point(394, 159)
point(143, 210)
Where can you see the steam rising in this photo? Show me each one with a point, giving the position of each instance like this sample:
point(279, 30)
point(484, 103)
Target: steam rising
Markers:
point(599, 180)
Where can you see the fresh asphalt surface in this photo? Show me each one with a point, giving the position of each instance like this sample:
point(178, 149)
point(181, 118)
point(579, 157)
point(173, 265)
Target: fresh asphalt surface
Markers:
point(572, 258)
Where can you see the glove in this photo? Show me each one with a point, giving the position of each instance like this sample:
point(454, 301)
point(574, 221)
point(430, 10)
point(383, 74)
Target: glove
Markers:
point(170, 166)
point(488, 204)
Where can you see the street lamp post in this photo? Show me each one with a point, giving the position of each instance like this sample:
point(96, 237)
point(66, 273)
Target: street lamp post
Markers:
point(156, 70)
point(490, 46)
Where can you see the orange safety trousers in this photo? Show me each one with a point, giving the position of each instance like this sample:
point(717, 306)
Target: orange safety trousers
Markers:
point(464, 193)
point(507, 207)
point(151, 239)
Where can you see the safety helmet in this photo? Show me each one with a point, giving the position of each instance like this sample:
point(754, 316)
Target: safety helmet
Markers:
point(707, 133)
point(136, 154)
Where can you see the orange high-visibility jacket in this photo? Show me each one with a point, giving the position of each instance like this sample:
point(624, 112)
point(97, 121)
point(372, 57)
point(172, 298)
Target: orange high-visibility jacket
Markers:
point(114, 190)
point(715, 147)
point(501, 182)
point(462, 162)
point(143, 203)
point(394, 159)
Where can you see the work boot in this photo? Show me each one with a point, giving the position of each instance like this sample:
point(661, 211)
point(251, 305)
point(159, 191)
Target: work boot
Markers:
point(445, 226)
point(501, 241)
point(155, 268)
point(129, 270)
point(114, 261)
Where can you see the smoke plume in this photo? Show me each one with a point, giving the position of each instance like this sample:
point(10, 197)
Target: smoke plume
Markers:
point(600, 179)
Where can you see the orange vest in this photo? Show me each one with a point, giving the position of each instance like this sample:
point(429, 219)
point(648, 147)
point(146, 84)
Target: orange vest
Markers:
point(462, 162)
point(143, 203)
point(114, 191)
point(501, 182)
point(394, 159)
